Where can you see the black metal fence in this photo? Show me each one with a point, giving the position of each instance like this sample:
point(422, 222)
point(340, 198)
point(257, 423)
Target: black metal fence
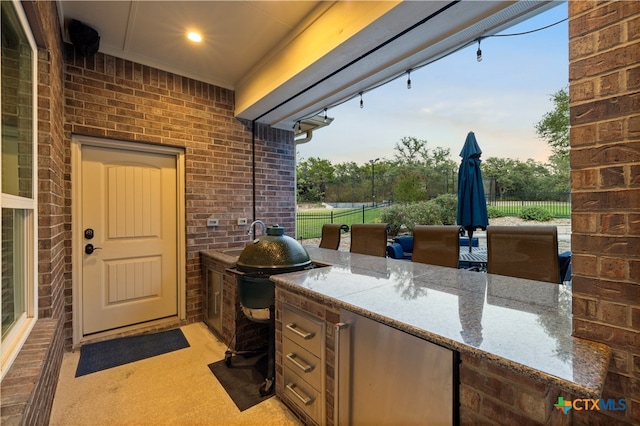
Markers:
point(511, 203)
point(309, 224)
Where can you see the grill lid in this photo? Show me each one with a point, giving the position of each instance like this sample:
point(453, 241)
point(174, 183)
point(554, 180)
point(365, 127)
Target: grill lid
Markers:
point(273, 253)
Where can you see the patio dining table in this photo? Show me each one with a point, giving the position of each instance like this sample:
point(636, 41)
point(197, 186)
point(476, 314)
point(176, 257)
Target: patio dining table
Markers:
point(475, 257)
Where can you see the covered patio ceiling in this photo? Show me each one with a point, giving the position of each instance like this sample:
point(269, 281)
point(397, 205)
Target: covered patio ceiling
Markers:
point(288, 60)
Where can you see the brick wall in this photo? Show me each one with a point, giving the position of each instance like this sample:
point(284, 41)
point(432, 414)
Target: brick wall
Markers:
point(604, 73)
point(29, 386)
point(53, 273)
point(112, 98)
point(490, 394)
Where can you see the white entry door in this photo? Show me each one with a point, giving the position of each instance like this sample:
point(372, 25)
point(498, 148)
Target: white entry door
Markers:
point(129, 216)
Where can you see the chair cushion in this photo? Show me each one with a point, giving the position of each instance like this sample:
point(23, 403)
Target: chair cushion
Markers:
point(564, 264)
point(406, 242)
point(394, 251)
point(464, 242)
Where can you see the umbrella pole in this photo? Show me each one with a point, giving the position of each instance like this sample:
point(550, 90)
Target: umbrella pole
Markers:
point(470, 239)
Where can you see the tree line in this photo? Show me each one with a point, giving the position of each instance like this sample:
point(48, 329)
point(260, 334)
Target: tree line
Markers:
point(418, 173)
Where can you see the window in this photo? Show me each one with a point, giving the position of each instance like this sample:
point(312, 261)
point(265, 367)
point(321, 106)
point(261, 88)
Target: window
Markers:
point(18, 181)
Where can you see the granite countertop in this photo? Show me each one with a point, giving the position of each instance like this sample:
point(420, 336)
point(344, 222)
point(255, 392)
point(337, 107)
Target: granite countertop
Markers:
point(226, 256)
point(522, 325)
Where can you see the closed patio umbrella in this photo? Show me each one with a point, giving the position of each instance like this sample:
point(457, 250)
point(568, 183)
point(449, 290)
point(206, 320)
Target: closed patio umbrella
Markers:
point(472, 206)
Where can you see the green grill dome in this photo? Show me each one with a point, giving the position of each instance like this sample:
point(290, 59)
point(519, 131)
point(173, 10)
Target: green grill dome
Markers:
point(273, 253)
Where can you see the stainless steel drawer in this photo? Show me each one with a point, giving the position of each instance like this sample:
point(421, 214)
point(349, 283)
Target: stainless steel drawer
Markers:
point(302, 394)
point(302, 362)
point(303, 329)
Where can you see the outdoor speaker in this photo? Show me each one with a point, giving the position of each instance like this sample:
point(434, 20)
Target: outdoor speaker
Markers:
point(84, 38)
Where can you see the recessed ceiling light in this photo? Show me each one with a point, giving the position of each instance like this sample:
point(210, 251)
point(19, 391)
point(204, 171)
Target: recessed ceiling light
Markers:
point(194, 36)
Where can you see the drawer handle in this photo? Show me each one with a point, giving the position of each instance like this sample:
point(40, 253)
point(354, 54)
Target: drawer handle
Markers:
point(306, 335)
point(216, 302)
point(293, 358)
point(303, 398)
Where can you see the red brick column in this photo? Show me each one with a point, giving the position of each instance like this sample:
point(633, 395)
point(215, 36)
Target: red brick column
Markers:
point(604, 74)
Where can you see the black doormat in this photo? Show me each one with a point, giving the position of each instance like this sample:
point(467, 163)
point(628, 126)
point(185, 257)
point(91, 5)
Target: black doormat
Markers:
point(243, 379)
point(112, 353)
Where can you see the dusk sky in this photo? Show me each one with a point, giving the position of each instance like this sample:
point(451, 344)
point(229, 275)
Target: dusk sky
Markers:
point(500, 99)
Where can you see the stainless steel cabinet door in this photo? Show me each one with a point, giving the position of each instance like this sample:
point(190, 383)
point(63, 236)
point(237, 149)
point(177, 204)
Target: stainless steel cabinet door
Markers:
point(389, 377)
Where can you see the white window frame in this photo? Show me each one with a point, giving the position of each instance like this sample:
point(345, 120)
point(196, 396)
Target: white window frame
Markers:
point(16, 337)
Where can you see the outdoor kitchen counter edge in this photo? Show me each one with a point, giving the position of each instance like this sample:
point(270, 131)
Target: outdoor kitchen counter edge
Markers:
point(521, 325)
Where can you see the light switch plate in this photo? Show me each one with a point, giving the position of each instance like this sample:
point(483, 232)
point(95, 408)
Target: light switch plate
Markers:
point(242, 221)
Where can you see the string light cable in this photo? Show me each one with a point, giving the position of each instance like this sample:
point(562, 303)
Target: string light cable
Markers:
point(410, 70)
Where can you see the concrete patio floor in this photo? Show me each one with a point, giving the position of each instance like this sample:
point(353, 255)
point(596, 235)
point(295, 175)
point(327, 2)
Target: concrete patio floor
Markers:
point(176, 388)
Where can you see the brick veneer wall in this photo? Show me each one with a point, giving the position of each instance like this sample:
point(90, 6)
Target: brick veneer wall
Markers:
point(604, 74)
point(53, 271)
point(490, 394)
point(112, 98)
point(29, 386)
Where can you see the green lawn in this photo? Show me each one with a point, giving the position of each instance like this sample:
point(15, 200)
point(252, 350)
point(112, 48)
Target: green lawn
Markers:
point(309, 222)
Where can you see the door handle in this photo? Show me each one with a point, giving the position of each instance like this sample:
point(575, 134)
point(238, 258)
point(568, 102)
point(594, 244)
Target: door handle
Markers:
point(89, 248)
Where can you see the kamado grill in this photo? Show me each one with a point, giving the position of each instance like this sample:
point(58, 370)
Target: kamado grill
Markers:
point(273, 253)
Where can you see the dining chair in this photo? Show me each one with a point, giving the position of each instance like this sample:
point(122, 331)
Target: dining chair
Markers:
point(369, 238)
point(529, 252)
point(436, 245)
point(331, 235)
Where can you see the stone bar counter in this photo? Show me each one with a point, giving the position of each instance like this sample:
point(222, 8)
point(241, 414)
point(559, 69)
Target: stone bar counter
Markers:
point(513, 336)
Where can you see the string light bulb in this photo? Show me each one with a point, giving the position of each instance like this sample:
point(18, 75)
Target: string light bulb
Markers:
point(479, 53)
point(325, 115)
point(409, 79)
point(299, 126)
point(361, 101)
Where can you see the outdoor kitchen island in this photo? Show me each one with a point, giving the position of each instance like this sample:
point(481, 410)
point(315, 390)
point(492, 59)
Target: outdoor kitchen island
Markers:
point(510, 339)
